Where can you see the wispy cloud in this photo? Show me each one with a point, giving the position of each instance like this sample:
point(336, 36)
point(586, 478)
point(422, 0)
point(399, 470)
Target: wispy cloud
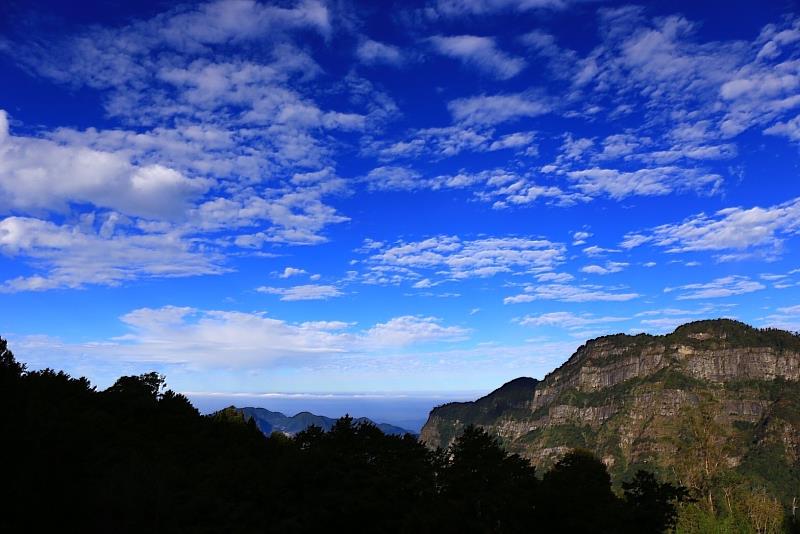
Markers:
point(303, 292)
point(736, 229)
point(375, 52)
point(569, 293)
point(451, 258)
point(726, 286)
point(496, 109)
point(479, 52)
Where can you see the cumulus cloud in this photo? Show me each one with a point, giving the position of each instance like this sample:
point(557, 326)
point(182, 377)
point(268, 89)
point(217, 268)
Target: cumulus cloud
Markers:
point(212, 140)
point(40, 175)
point(213, 338)
point(288, 272)
point(481, 53)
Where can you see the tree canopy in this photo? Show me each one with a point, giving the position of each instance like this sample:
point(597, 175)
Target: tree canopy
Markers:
point(138, 457)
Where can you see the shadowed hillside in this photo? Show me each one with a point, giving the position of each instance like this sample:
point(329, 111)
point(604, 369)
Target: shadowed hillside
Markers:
point(138, 458)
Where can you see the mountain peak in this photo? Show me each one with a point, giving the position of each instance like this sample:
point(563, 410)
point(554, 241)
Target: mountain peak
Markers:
point(623, 397)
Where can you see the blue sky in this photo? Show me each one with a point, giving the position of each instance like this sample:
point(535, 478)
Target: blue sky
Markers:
point(413, 197)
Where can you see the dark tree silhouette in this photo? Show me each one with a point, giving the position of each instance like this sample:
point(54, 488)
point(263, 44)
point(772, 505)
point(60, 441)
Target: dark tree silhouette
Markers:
point(140, 458)
point(483, 488)
point(653, 503)
point(576, 496)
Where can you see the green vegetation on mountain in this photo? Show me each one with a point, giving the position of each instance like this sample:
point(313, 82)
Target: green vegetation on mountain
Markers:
point(713, 406)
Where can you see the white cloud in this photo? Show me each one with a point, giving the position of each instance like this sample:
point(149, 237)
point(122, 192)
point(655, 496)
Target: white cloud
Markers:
point(220, 338)
point(496, 109)
point(503, 189)
point(449, 141)
point(595, 250)
point(303, 292)
point(653, 182)
point(218, 147)
point(39, 175)
point(452, 258)
point(726, 286)
point(609, 268)
point(288, 272)
point(555, 277)
point(409, 329)
point(212, 338)
point(661, 67)
point(580, 237)
point(737, 229)
point(790, 129)
point(569, 293)
point(479, 52)
point(567, 320)
point(394, 178)
point(374, 52)
point(74, 256)
point(513, 140)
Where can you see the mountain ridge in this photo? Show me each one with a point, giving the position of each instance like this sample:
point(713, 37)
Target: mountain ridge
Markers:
point(268, 421)
point(635, 400)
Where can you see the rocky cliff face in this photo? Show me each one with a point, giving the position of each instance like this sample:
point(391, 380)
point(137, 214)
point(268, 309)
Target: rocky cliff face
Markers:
point(655, 401)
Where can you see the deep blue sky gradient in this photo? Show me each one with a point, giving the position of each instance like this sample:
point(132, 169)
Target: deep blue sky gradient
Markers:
point(119, 82)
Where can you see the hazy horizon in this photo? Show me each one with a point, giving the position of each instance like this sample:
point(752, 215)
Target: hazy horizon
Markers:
point(407, 411)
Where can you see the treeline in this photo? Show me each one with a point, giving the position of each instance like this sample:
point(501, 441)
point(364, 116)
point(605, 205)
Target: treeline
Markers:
point(137, 458)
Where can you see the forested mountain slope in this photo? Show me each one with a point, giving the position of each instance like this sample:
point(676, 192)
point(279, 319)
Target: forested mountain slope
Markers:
point(714, 405)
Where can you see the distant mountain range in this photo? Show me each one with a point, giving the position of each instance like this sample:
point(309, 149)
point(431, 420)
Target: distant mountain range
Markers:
point(269, 422)
point(716, 403)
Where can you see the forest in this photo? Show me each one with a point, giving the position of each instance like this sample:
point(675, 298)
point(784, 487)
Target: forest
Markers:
point(138, 457)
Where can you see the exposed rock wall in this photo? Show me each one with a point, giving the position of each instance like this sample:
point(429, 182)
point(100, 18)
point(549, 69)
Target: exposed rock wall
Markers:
point(629, 398)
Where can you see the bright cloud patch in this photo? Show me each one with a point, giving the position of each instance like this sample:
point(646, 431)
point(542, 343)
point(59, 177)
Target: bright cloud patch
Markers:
point(479, 52)
point(39, 175)
point(721, 287)
point(456, 259)
point(734, 229)
point(495, 109)
point(94, 253)
point(303, 292)
point(184, 335)
point(568, 293)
